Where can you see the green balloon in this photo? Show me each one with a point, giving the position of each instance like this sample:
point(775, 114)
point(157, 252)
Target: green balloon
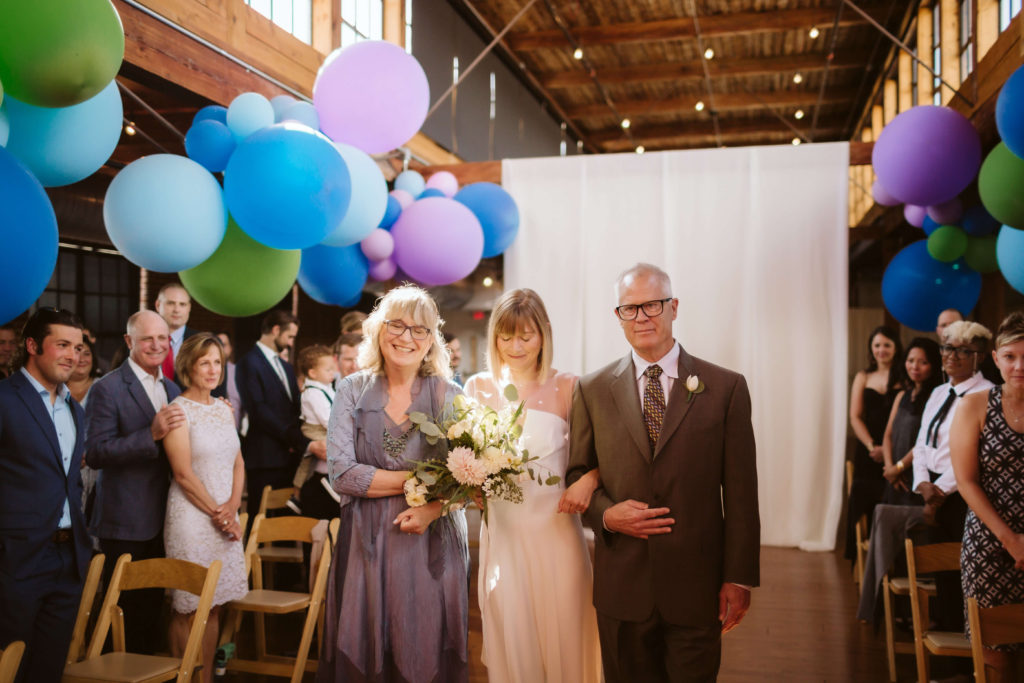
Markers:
point(947, 243)
point(981, 253)
point(243, 277)
point(1001, 186)
point(56, 53)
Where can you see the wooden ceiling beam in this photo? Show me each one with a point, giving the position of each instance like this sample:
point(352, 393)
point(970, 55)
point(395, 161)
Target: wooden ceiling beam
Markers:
point(723, 102)
point(704, 132)
point(734, 23)
point(647, 73)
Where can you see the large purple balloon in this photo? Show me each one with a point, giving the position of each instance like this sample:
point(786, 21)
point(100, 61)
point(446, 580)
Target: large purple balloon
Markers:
point(882, 196)
point(927, 155)
point(372, 95)
point(437, 241)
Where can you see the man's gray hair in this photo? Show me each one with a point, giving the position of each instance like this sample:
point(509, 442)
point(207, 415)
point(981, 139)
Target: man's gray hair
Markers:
point(643, 270)
point(134, 319)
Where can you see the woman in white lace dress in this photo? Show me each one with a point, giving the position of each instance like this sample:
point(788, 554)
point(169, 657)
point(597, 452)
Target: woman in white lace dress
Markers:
point(202, 507)
point(535, 583)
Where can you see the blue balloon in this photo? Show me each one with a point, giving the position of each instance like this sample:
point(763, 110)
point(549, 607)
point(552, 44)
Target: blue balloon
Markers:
point(28, 232)
point(929, 225)
point(333, 275)
point(391, 214)
point(410, 181)
point(1010, 255)
point(280, 103)
point(497, 213)
point(287, 187)
point(248, 113)
point(431, 192)
point(977, 222)
point(369, 198)
point(5, 128)
point(303, 112)
point(1010, 112)
point(211, 144)
point(66, 144)
point(165, 212)
point(212, 112)
point(916, 287)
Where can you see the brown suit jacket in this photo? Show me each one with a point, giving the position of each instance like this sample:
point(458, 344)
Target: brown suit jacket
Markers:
point(703, 469)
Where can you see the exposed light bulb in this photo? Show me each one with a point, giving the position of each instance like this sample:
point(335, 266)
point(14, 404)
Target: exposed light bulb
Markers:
point(799, 114)
point(699, 106)
point(639, 149)
point(488, 281)
point(625, 124)
point(709, 53)
point(579, 144)
point(129, 128)
point(577, 53)
point(796, 141)
point(797, 78)
point(814, 32)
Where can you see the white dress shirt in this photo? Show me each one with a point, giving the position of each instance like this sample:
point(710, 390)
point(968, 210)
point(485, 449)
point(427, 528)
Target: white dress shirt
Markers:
point(62, 414)
point(936, 458)
point(317, 399)
point(275, 362)
point(153, 386)
point(669, 364)
point(177, 338)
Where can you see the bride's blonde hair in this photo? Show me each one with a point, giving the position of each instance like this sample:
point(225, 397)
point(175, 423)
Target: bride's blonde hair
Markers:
point(513, 310)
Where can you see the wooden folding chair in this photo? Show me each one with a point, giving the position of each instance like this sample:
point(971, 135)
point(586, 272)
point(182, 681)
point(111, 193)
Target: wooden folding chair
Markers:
point(262, 601)
point(85, 605)
point(10, 660)
point(860, 531)
point(276, 499)
point(992, 626)
point(128, 667)
point(899, 585)
point(924, 559)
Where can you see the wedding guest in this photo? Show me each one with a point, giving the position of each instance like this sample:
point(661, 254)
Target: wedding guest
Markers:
point(314, 496)
point(871, 398)
point(987, 451)
point(346, 353)
point(947, 318)
point(944, 509)
point(85, 373)
point(174, 305)
point(8, 347)
point(230, 379)
point(922, 366)
point(535, 578)
point(352, 322)
point(455, 353)
point(202, 506)
point(397, 597)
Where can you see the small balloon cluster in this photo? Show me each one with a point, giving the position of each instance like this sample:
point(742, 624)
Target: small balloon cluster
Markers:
point(60, 120)
point(302, 198)
point(925, 158)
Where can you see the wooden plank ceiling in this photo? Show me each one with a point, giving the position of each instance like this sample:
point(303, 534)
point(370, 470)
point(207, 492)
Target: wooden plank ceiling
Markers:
point(771, 78)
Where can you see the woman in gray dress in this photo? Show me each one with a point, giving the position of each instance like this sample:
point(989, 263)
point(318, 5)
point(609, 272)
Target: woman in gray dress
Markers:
point(397, 598)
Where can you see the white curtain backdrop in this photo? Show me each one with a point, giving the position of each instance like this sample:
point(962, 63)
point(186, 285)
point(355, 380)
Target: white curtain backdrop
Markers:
point(755, 241)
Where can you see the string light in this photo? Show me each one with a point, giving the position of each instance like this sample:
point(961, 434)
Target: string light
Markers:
point(488, 281)
point(579, 144)
point(577, 53)
point(709, 53)
point(799, 114)
point(129, 128)
point(797, 78)
point(639, 149)
point(625, 124)
point(814, 32)
point(796, 142)
point(699, 106)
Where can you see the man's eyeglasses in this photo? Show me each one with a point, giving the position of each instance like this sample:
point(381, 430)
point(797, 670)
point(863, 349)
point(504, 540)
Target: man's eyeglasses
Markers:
point(397, 328)
point(960, 351)
point(652, 309)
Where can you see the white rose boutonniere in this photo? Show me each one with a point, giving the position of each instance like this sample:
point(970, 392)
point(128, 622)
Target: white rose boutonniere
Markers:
point(694, 385)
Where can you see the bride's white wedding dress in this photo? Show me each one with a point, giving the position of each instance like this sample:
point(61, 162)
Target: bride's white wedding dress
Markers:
point(536, 581)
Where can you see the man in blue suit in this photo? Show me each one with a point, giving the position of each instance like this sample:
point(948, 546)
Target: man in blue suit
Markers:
point(129, 414)
point(44, 545)
point(270, 395)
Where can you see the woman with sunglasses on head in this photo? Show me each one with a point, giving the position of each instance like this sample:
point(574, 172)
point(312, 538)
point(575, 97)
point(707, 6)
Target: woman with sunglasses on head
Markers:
point(397, 600)
point(987, 450)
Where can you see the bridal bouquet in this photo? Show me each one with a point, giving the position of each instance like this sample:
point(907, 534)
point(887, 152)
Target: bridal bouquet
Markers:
point(483, 455)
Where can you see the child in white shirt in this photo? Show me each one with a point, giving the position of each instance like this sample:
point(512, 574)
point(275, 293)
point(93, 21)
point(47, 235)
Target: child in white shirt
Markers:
point(313, 494)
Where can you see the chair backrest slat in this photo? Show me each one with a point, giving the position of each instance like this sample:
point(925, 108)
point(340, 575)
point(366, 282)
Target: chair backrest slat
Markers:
point(164, 573)
point(1002, 625)
point(286, 529)
point(937, 557)
point(274, 499)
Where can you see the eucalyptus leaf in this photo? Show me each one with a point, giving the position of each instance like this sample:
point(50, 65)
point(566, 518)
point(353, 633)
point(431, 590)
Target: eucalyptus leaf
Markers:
point(511, 393)
point(432, 440)
point(552, 480)
point(417, 417)
point(427, 477)
point(431, 429)
point(530, 470)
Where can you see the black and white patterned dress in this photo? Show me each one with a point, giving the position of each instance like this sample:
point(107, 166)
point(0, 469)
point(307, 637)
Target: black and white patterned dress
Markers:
point(987, 568)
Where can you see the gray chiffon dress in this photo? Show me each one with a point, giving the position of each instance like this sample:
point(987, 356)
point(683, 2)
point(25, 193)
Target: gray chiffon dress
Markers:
point(397, 604)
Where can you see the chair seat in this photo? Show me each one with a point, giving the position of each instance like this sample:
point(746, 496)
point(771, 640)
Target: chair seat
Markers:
point(274, 602)
point(947, 643)
point(275, 553)
point(123, 667)
point(900, 585)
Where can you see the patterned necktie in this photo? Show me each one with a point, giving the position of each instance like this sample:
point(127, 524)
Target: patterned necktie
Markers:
point(654, 404)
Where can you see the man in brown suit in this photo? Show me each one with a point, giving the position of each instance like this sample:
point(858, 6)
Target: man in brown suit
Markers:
point(678, 531)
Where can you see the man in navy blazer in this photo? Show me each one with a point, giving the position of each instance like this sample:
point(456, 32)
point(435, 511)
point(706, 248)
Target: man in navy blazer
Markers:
point(270, 395)
point(44, 545)
point(130, 412)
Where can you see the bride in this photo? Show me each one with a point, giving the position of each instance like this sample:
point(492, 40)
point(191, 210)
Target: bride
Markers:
point(535, 580)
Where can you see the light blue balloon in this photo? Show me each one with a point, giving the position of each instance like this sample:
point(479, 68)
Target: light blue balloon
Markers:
point(410, 181)
point(369, 198)
point(28, 232)
point(248, 113)
point(333, 275)
point(304, 113)
point(5, 128)
point(211, 144)
point(66, 144)
point(287, 187)
point(165, 213)
point(1010, 255)
point(279, 104)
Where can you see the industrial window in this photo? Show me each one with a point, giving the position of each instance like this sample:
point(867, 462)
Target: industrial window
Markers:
point(361, 20)
point(294, 16)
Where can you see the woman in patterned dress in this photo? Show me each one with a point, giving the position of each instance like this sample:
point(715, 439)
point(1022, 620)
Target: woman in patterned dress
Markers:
point(987, 450)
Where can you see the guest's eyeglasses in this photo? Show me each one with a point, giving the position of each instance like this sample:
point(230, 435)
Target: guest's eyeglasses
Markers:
point(652, 309)
point(961, 352)
point(397, 328)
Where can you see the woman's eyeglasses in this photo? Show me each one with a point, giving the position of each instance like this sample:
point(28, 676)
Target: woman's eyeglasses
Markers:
point(397, 328)
point(961, 352)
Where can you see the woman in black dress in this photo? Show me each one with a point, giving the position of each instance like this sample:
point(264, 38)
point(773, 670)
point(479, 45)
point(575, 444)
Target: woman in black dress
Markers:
point(923, 367)
point(871, 399)
point(987, 451)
